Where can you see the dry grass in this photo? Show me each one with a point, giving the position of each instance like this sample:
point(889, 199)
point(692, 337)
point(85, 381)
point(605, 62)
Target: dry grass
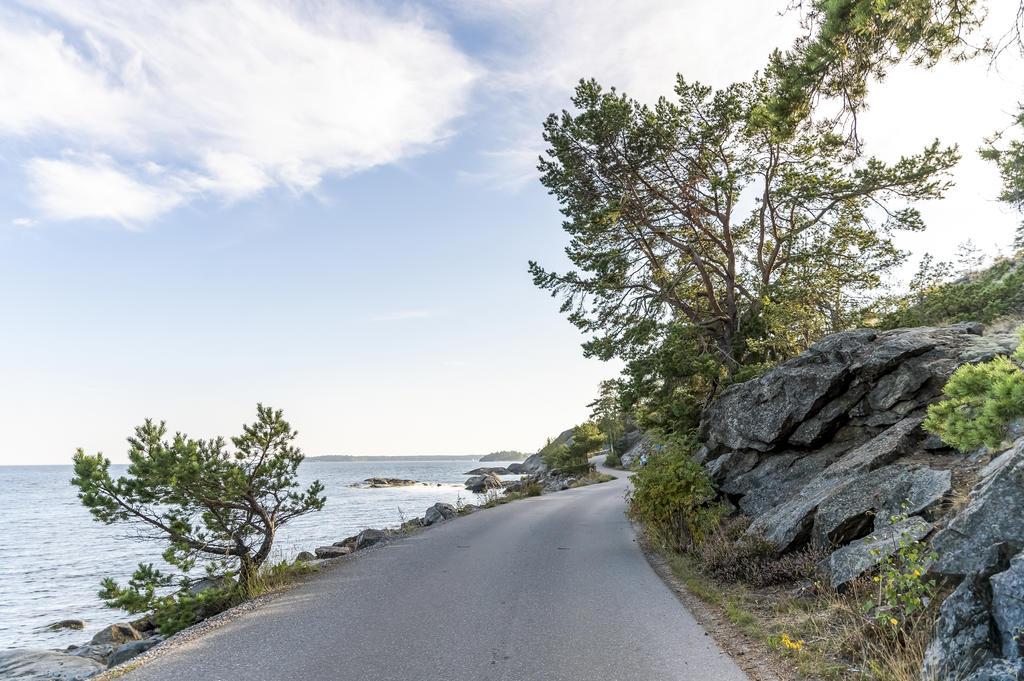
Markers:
point(825, 633)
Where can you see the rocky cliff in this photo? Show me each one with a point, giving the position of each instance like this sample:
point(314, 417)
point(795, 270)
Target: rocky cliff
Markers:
point(828, 449)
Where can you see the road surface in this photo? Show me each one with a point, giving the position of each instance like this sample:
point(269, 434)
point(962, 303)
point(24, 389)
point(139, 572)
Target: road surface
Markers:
point(547, 588)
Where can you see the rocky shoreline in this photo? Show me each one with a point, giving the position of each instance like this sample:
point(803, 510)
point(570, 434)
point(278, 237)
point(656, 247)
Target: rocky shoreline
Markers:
point(122, 642)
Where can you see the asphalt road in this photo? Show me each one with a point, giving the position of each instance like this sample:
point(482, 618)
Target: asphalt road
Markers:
point(551, 588)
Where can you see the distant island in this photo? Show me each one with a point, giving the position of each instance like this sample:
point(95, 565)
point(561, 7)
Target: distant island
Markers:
point(494, 456)
point(507, 455)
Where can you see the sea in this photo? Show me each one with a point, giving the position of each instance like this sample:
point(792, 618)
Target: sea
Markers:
point(53, 554)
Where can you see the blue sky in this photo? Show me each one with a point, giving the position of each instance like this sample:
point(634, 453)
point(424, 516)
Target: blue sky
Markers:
point(329, 206)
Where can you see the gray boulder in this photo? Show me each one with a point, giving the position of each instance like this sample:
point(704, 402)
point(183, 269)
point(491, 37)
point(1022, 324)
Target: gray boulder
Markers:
point(642, 446)
point(482, 483)
point(864, 378)
point(484, 470)
point(130, 650)
point(116, 634)
point(856, 558)
point(533, 464)
point(305, 557)
point(1008, 608)
point(993, 516)
point(368, 538)
point(323, 552)
point(517, 469)
point(871, 500)
point(789, 524)
point(100, 653)
point(962, 636)
point(439, 513)
point(46, 665)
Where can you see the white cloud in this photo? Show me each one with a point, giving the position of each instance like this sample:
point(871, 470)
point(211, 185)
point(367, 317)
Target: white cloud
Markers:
point(402, 316)
point(228, 97)
point(545, 48)
point(23, 222)
point(94, 187)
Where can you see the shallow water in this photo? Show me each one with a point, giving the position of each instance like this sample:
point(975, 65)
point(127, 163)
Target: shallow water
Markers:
point(53, 554)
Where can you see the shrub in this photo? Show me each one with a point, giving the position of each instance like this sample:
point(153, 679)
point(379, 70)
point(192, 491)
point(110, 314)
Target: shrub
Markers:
point(674, 497)
point(728, 554)
point(903, 588)
point(982, 399)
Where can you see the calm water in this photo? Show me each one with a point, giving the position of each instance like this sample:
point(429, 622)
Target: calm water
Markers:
point(53, 554)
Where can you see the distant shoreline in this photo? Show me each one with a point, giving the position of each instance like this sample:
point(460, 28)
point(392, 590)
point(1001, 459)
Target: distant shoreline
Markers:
point(407, 457)
point(410, 457)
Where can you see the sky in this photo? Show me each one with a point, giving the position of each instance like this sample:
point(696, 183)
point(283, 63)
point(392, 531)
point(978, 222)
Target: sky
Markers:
point(328, 207)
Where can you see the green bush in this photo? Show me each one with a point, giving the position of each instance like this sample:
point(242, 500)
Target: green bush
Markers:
point(982, 399)
point(573, 459)
point(674, 497)
point(984, 297)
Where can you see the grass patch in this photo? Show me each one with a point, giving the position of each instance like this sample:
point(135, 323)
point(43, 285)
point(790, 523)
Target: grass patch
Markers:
point(822, 633)
point(593, 478)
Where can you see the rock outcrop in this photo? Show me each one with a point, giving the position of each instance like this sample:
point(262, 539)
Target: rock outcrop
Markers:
point(482, 483)
point(827, 449)
point(489, 470)
point(46, 665)
point(439, 513)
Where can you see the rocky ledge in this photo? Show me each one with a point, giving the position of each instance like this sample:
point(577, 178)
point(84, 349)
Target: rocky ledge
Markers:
point(377, 483)
point(828, 449)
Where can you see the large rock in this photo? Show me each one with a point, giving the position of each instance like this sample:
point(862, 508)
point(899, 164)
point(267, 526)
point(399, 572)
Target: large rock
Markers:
point(871, 500)
point(642, 446)
point(533, 464)
point(963, 635)
point(482, 483)
point(368, 538)
point(484, 470)
point(850, 561)
point(116, 634)
point(866, 378)
point(1008, 608)
point(46, 665)
point(332, 551)
point(130, 650)
point(789, 524)
point(993, 516)
point(439, 513)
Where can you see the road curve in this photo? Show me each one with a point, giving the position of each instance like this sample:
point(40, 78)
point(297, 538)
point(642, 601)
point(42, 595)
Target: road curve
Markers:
point(548, 588)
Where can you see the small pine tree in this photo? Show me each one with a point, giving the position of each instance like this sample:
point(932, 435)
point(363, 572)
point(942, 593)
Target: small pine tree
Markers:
point(199, 497)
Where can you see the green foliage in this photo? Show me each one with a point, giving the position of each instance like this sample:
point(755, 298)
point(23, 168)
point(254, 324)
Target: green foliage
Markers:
point(850, 42)
point(651, 200)
point(902, 585)
point(201, 498)
point(983, 297)
point(142, 593)
point(1010, 161)
point(981, 401)
point(573, 458)
point(610, 416)
point(674, 497)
